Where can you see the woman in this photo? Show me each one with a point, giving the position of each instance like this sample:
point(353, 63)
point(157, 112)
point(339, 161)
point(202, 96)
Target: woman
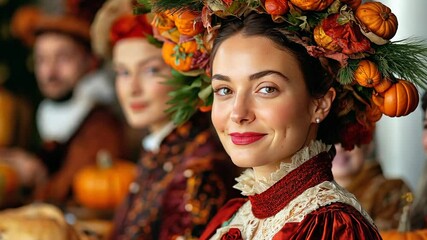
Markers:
point(180, 182)
point(281, 99)
point(419, 208)
point(267, 113)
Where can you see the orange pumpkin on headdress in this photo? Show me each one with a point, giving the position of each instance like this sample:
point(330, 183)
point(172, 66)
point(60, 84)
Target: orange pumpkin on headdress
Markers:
point(188, 23)
point(378, 18)
point(399, 100)
point(354, 4)
point(367, 74)
point(312, 5)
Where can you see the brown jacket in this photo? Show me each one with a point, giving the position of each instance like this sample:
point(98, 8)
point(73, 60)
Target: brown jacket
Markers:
point(100, 130)
point(381, 197)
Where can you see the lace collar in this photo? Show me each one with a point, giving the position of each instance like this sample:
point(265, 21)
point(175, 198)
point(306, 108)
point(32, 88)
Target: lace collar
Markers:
point(249, 185)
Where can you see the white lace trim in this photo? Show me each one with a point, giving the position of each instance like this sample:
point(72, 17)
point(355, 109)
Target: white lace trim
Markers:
point(313, 198)
point(249, 185)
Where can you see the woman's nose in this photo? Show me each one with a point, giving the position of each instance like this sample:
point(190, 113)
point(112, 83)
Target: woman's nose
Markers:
point(242, 112)
point(135, 85)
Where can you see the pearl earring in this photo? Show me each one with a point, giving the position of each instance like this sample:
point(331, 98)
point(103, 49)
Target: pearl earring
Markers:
point(317, 120)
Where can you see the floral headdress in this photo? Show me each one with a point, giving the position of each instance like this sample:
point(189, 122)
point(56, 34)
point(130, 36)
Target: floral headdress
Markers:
point(115, 21)
point(375, 76)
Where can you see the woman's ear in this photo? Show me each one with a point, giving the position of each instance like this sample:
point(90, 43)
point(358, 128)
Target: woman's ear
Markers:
point(323, 105)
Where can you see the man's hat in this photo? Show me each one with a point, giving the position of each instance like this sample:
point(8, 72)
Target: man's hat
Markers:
point(74, 20)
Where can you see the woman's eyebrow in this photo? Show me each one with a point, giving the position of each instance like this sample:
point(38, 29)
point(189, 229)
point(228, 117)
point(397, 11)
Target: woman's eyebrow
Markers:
point(254, 76)
point(220, 77)
point(261, 74)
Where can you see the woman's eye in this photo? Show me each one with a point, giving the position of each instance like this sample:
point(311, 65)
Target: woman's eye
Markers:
point(222, 91)
point(122, 73)
point(267, 90)
point(152, 70)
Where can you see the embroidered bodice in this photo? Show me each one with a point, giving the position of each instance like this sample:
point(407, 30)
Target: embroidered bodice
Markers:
point(292, 192)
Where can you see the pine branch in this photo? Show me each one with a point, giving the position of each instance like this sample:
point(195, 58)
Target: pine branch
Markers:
point(406, 59)
point(346, 74)
point(161, 5)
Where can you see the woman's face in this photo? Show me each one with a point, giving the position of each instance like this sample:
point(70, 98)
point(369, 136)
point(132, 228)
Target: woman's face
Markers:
point(262, 110)
point(347, 164)
point(140, 87)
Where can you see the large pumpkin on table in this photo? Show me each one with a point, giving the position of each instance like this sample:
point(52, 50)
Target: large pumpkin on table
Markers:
point(103, 186)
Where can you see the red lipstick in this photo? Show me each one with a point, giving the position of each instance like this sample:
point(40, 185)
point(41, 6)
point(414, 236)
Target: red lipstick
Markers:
point(246, 137)
point(137, 106)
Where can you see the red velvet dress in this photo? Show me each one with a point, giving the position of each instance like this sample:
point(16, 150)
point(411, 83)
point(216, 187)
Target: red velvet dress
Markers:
point(304, 204)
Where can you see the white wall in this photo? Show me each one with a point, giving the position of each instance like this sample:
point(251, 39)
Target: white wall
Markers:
point(399, 139)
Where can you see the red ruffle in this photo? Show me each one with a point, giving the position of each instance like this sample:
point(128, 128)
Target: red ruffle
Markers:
point(309, 174)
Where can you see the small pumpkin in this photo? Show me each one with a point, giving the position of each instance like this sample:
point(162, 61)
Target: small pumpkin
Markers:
point(367, 74)
point(312, 5)
point(103, 186)
point(188, 22)
point(323, 40)
point(399, 100)
point(276, 7)
point(163, 22)
point(180, 56)
point(378, 18)
point(354, 4)
point(404, 231)
point(383, 85)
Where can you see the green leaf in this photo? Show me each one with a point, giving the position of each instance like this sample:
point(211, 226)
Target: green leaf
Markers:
point(154, 41)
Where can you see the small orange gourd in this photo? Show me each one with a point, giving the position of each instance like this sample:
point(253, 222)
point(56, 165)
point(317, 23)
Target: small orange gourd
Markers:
point(378, 18)
point(163, 22)
point(103, 186)
point(180, 57)
point(188, 23)
point(312, 5)
point(367, 74)
point(276, 7)
point(383, 85)
point(354, 4)
point(399, 100)
point(404, 231)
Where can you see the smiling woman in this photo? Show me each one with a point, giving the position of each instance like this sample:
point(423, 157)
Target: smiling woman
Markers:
point(181, 182)
point(267, 112)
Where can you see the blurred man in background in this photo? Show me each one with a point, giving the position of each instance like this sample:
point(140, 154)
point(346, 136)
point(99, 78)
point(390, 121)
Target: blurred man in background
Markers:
point(74, 120)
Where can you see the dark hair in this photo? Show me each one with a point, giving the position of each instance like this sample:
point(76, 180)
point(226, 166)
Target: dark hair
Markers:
point(318, 80)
